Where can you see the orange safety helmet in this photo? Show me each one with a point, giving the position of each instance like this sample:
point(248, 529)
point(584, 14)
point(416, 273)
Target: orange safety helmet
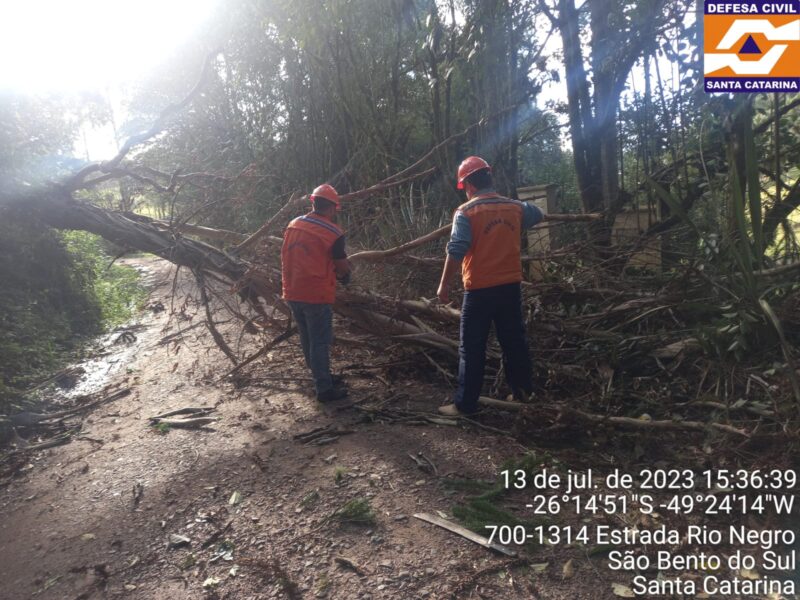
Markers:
point(327, 192)
point(468, 166)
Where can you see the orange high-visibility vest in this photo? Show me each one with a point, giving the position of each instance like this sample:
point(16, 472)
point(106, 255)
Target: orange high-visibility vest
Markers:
point(493, 257)
point(307, 260)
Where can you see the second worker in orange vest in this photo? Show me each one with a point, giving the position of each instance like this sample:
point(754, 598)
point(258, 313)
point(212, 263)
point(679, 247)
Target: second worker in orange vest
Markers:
point(312, 258)
point(485, 243)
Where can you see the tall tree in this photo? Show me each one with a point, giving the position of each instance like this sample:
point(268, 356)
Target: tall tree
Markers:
point(597, 68)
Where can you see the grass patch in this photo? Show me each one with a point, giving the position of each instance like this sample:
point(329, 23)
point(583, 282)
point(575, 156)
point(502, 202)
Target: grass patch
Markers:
point(338, 475)
point(358, 511)
point(161, 428)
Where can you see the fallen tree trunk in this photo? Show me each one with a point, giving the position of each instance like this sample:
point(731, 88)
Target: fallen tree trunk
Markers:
point(208, 233)
point(393, 317)
point(56, 208)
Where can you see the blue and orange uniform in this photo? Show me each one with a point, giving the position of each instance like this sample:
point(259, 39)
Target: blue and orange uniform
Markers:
point(311, 243)
point(309, 247)
point(486, 237)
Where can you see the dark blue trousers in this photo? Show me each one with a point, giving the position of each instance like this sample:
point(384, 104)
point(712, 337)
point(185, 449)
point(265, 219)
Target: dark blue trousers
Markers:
point(315, 326)
point(502, 305)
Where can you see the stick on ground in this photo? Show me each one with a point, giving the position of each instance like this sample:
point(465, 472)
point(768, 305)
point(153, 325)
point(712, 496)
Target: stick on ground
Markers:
point(465, 533)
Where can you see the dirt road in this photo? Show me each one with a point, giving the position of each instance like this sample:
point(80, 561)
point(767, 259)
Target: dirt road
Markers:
point(93, 519)
point(254, 506)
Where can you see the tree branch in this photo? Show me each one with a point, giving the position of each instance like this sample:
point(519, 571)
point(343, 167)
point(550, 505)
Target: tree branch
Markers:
point(76, 181)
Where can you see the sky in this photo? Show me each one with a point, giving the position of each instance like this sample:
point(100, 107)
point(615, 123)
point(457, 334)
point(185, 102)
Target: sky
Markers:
point(101, 46)
point(105, 46)
point(56, 45)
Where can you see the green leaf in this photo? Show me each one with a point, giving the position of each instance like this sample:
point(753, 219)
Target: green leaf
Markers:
point(674, 205)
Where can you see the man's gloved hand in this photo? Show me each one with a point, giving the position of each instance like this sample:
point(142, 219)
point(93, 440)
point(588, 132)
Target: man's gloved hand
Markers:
point(345, 279)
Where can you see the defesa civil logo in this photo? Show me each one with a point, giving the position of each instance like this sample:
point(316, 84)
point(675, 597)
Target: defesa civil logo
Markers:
point(752, 46)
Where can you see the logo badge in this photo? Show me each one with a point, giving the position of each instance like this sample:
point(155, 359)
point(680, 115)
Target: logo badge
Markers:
point(751, 46)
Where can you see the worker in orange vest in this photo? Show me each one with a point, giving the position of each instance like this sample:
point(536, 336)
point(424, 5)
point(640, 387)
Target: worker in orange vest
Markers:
point(313, 257)
point(485, 243)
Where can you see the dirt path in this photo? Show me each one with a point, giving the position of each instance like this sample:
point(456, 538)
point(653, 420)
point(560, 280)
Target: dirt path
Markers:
point(93, 518)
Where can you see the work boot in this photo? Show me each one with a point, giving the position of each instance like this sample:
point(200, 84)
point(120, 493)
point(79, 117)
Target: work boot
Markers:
point(337, 380)
point(449, 410)
point(332, 395)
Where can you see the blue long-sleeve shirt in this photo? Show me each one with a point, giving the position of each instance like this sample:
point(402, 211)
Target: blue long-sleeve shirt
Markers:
point(461, 234)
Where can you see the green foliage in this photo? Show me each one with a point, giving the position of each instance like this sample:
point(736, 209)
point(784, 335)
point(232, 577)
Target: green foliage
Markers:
point(45, 301)
point(357, 511)
point(56, 291)
point(485, 508)
point(116, 287)
point(161, 428)
point(48, 298)
point(338, 474)
point(742, 320)
point(307, 92)
point(477, 513)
